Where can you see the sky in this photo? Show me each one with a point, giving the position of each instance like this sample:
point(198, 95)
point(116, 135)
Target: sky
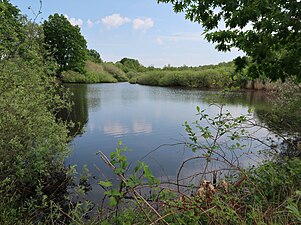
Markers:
point(138, 29)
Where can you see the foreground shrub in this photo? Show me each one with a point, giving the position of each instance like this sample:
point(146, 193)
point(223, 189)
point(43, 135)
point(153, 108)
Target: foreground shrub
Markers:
point(33, 144)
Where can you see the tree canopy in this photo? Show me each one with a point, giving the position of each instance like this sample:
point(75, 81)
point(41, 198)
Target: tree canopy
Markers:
point(65, 43)
point(131, 65)
point(12, 32)
point(268, 32)
point(94, 56)
point(33, 142)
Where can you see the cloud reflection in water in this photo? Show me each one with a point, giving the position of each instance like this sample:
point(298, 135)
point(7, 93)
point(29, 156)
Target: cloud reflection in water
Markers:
point(118, 129)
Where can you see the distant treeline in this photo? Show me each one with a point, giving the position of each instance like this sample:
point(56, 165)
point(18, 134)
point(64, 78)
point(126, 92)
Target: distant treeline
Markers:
point(209, 76)
point(222, 75)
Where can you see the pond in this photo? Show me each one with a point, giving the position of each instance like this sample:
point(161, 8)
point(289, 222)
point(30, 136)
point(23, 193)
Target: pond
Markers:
point(148, 120)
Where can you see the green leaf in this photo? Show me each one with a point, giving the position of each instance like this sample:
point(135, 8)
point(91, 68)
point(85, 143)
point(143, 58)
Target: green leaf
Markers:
point(119, 143)
point(105, 183)
point(119, 170)
point(112, 155)
point(105, 222)
point(113, 201)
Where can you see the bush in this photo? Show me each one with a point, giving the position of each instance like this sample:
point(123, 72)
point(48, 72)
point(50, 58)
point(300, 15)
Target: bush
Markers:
point(150, 78)
point(33, 144)
point(73, 77)
point(99, 77)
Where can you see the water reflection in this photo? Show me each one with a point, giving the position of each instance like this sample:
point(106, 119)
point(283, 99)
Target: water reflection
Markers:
point(255, 99)
point(79, 111)
point(115, 129)
point(142, 127)
point(118, 129)
point(93, 96)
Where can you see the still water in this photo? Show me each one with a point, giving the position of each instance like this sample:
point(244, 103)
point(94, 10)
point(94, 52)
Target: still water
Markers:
point(146, 119)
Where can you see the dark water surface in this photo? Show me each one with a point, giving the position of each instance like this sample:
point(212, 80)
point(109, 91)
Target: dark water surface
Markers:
point(144, 118)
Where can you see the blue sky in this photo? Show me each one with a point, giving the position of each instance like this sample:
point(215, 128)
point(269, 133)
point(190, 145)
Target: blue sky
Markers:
point(139, 29)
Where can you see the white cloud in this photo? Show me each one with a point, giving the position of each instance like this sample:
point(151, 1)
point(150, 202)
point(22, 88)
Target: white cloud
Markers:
point(180, 37)
point(74, 21)
point(159, 41)
point(90, 23)
point(143, 24)
point(114, 21)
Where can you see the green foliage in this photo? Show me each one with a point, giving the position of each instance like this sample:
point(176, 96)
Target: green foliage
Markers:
point(65, 43)
point(95, 73)
point(267, 31)
point(277, 181)
point(73, 77)
point(18, 36)
point(149, 78)
point(140, 176)
point(12, 32)
point(293, 207)
point(128, 65)
point(94, 56)
point(207, 78)
point(133, 76)
point(117, 73)
point(33, 144)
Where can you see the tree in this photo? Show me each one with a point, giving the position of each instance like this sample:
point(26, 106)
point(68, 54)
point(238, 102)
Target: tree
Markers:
point(33, 142)
point(94, 56)
point(65, 43)
point(269, 32)
point(12, 32)
point(131, 65)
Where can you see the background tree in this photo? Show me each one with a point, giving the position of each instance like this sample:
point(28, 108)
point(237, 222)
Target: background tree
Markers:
point(12, 30)
point(65, 43)
point(269, 32)
point(131, 65)
point(94, 56)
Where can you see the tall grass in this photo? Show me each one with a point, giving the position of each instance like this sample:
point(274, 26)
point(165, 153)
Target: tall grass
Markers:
point(209, 78)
